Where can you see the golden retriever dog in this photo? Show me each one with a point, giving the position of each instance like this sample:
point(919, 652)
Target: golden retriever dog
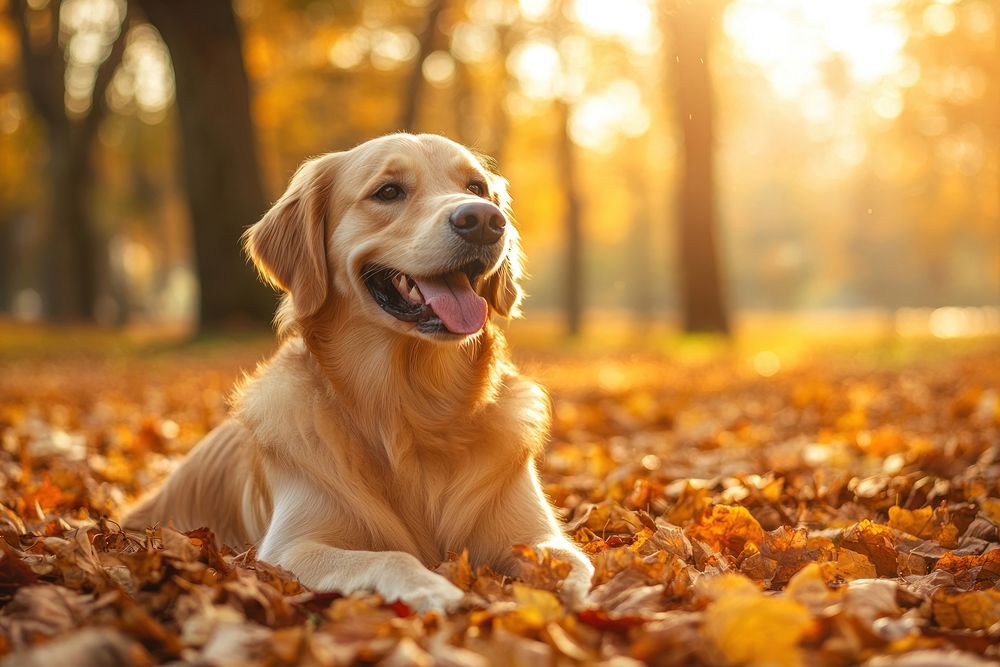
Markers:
point(390, 428)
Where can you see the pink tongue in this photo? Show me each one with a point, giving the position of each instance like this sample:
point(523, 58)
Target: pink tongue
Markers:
point(451, 298)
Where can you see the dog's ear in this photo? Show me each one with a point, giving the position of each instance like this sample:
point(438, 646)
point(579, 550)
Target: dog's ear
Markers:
point(503, 288)
point(288, 245)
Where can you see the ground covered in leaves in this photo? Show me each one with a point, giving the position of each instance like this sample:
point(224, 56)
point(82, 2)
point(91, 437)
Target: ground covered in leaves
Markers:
point(835, 513)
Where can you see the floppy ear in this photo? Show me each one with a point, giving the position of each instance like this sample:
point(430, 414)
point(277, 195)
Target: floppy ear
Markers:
point(288, 245)
point(503, 289)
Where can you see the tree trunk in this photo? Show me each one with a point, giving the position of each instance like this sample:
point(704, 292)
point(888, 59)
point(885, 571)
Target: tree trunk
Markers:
point(218, 153)
point(500, 119)
point(703, 303)
point(640, 257)
point(7, 263)
point(566, 166)
point(72, 273)
point(415, 85)
point(71, 247)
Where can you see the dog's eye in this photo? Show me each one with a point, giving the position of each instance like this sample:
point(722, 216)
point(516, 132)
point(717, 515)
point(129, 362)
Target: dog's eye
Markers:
point(477, 188)
point(390, 192)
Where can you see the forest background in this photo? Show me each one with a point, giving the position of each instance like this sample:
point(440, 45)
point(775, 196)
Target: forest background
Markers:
point(689, 164)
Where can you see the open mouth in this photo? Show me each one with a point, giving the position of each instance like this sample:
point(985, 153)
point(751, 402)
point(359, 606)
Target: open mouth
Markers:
point(442, 303)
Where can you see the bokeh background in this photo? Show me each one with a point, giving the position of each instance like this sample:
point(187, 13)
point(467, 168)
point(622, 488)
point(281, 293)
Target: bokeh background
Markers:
point(677, 165)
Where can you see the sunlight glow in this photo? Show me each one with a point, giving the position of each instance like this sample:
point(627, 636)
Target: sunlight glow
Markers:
point(536, 65)
point(144, 82)
point(474, 42)
point(439, 68)
point(391, 47)
point(90, 27)
point(598, 121)
point(794, 41)
point(534, 10)
point(631, 21)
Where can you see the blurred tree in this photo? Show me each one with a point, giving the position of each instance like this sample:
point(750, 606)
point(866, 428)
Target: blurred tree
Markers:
point(641, 273)
point(218, 153)
point(690, 27)
point(572, 215)
point(428, 38)
point(72, 245)
point(948, 129)
point(573, 226)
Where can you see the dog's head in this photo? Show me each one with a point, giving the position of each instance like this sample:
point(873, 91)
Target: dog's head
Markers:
point(413, 232)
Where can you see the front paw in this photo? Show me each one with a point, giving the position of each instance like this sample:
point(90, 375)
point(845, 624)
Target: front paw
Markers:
point(431, 592)
point(576, 586)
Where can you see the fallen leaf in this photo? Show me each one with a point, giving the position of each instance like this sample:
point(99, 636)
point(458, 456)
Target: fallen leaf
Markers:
point(876, 543)
point(972, 610)
point(749, 628)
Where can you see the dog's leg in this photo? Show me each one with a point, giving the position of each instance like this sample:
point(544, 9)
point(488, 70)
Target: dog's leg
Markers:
point(524, 516)
point(577, 584)
point(303, 539)
point(393, 574)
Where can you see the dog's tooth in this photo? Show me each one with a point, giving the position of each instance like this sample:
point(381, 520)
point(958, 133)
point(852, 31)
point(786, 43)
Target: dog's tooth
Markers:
point(415, 295)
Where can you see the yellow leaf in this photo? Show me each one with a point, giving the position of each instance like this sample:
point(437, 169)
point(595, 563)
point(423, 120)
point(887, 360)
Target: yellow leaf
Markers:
point(924, 523)
point(990, 507)
point(727, 527)
point(975, 610)
point(849, 565)
point(749, 628)
point(809, 587)
point(535, 608)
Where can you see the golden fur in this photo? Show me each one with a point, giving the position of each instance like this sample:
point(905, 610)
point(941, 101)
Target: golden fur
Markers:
point(364, 451)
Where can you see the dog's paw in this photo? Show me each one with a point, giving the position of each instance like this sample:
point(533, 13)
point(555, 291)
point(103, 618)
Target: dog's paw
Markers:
point(576, 587)
point(574, 591)
point(407, 580)
point(435, 593)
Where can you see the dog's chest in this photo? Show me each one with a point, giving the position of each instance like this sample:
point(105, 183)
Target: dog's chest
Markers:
point(438, 510)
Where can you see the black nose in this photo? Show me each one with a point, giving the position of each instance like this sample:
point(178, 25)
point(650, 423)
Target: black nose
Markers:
point(480, 223)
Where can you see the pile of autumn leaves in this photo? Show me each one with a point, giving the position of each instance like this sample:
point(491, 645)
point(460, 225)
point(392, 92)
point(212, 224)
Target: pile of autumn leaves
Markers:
point(825, 516)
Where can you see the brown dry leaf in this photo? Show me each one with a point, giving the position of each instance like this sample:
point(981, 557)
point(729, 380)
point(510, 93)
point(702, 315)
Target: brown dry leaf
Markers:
point(627, 595)
point(14, 572)
point(983, 567)
point(45, 496)
point(605, 518)
point(658, 464)
point(930, 658)
point(90, 647)
point(972, 610)
point(926, 523)
point(990, 507)
point(757, 566)
point(809, 587)
point(874, 541)
point(793, 549)
point(657, 567)
point(726, 528)
point(674, 640)
point(41, 611)
point(872, 599)
point(539, 568)
point(848, 566)
point(691, 503)
point(457, 570)
point(668, 538)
